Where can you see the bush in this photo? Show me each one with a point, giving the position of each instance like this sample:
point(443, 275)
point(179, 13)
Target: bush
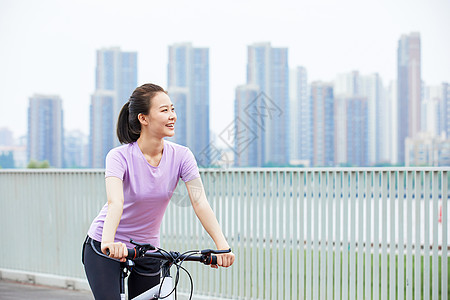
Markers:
point(33, 164)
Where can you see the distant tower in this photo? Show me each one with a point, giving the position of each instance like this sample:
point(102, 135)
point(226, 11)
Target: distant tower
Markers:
point(301, 134)
point(353, 84)
point(247, 145)
point(102, 136)
point(116, 79)
point(75, 146)
point(377, 118)
point(268, 69)
point(393, 121)
point(445, 109)
point(6, 137)
point(409, 90)
point(322, 99)
point(304, 111)
point(351, 127)
point(116, 71)
point(188, 86)
point(45, 129)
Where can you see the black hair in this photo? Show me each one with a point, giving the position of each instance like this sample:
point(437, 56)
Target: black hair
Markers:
point(128, 125)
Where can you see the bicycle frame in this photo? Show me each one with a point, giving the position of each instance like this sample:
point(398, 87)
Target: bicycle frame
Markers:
point(164, 288)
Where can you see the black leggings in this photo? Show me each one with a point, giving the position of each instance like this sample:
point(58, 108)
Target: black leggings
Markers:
point(103, 273)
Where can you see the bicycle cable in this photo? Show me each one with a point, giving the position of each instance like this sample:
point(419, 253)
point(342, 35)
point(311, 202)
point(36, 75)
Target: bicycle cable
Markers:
point(173, 261)
point(177, 276)
point(192, 282)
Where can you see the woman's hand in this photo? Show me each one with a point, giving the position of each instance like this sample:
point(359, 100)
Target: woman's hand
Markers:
point(116, 250)
point(224, 260)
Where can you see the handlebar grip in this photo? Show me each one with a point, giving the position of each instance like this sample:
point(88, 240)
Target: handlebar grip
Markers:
point(213, 260)
point(131, 253)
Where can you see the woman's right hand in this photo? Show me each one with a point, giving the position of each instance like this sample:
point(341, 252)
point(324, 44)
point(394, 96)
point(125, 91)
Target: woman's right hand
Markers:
point(116, 250)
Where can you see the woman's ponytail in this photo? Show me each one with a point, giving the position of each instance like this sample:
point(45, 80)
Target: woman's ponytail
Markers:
point(124, 133)
point(128, 125)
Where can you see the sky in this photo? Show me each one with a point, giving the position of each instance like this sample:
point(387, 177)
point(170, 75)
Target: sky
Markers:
point(49, 46)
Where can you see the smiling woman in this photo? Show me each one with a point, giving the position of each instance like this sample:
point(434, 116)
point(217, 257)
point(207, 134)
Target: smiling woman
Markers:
point(141, 176)
point(137, 108)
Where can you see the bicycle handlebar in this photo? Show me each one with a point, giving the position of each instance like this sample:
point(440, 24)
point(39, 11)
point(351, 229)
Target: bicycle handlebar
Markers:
point(207, 259)
point(204, 256)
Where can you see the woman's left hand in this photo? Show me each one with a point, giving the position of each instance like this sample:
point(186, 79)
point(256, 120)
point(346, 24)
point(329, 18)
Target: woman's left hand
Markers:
point(224, 260)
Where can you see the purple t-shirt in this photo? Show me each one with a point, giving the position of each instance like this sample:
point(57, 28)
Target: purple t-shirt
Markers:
point(146, 189)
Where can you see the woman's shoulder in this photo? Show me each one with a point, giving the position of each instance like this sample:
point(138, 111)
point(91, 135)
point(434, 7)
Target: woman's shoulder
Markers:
point(177, 151)
point(176, 147)
point(121, 150)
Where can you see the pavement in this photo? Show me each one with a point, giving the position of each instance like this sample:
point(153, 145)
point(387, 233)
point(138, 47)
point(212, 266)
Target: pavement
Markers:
point(12, 290)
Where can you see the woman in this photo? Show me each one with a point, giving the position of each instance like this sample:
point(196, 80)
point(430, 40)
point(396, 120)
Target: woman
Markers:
point(141, 176)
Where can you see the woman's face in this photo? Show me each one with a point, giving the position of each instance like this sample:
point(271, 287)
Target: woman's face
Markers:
point(162, 116)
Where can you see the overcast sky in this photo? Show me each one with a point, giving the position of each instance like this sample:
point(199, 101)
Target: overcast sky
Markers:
point(48, 47)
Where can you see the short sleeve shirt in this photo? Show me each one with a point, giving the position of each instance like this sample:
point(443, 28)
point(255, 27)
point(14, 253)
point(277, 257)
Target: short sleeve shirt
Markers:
point(147, 190)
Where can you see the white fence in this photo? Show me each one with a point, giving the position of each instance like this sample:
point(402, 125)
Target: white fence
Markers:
point(297, 233)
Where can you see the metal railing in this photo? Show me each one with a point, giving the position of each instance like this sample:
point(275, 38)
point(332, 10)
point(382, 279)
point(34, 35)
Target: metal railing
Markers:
point(297, 233)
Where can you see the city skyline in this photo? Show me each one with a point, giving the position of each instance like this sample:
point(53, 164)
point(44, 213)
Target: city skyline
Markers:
point(63, 57)
point(350, 110)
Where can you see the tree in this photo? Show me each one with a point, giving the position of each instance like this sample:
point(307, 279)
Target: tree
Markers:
point(33, 164)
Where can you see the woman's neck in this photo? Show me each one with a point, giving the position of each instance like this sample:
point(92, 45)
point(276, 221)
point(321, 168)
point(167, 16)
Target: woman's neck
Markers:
point(151, 146)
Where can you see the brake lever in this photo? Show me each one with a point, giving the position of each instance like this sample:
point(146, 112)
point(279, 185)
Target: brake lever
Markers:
point(141, 248)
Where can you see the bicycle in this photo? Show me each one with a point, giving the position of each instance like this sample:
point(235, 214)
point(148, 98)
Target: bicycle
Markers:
point(166, 289)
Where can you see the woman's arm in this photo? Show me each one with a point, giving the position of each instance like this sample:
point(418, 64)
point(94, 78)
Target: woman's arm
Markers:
point(114, 194)
point(208, 219)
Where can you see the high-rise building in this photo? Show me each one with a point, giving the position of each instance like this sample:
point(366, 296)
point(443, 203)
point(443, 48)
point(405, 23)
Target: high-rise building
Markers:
point(116, 79)
point(102, 130)
point(45, 129)
point(427, 150)
point(348, 84)
point(431, 114)
point(179, 97)
point(188, 87)
point(322, 99)
point(351, 130)
point(6, 137)
point(393, 121)
point(248, 148)
point(378, 119)
point(445, 110)
point(301, 127)
point(116, 71)
point(76, 146)
point(409, 90)
point(369, 86)
point(268, 69)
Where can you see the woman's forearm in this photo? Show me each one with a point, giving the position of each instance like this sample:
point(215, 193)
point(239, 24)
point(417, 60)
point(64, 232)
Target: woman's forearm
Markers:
point(209, 221)
point(112, 220)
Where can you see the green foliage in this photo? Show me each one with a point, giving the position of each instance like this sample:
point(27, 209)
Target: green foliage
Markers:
point(33, 164)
